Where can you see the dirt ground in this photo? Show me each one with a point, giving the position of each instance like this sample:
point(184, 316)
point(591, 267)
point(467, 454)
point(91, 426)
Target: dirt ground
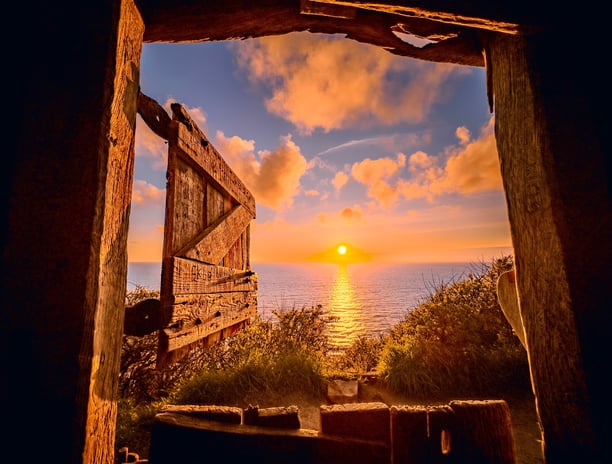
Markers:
point(522, 411)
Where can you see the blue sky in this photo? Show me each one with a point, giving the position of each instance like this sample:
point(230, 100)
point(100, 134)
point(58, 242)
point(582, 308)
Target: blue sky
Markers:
point(339, 142)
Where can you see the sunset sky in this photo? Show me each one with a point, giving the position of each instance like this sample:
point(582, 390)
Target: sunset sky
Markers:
point(339, 142)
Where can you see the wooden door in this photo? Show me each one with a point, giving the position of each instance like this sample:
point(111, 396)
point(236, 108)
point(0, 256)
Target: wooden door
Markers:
point(208, 290)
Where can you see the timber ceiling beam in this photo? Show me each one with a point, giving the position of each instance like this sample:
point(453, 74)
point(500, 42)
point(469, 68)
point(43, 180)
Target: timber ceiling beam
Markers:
point(506, 17)
point(199, 21)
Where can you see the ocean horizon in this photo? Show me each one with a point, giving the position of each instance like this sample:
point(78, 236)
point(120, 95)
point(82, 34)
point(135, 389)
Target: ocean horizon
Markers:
point(366, 298)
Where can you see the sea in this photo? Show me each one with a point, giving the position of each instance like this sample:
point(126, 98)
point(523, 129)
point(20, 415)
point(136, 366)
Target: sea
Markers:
point(364, 298)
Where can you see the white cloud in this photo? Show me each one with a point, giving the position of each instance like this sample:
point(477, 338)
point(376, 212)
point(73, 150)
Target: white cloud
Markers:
point(144, 193)
point(327, 82)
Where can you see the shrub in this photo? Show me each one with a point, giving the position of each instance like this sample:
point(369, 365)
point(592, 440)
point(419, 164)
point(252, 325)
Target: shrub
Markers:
point(267, 358)
point(457, 342)
point(361, 357)
point(134, 422)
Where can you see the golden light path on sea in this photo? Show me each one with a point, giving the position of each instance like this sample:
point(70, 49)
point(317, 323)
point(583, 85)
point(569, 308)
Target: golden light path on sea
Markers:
point(345, 308)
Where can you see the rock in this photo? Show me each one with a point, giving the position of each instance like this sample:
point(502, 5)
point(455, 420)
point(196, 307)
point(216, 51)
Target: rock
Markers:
point(343, 391)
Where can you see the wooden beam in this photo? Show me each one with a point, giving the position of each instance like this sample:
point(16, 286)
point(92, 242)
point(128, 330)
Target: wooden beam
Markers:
point(217, 239)
point(101, 338)
point(557, 189)
point(483, 16)
point(322, 9)
point(154, 115)
point(192, 277)
point(195, 317)
point(233, 20)
point(194, 143)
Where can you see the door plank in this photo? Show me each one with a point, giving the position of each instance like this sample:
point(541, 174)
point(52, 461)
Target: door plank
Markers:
point(196, 146)
point(193, 277)
point(217, 239)
point(195, 317)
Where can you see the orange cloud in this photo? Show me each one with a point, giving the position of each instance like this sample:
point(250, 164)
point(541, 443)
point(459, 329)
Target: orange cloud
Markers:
point(463, 134)
point(327, 82)
point(375, 173)
point(353, 214)
point(340, 180)
point(471, 168)
point(273, 176)
point(145, 193)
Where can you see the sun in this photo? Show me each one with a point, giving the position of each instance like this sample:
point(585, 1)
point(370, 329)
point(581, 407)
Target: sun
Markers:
point(341, 253)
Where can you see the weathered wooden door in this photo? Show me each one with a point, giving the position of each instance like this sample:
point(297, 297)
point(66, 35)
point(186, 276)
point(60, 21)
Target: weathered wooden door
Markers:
point(208, 290)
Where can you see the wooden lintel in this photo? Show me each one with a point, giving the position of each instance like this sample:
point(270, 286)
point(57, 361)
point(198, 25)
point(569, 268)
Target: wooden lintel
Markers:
point(313, 7)
point(216, 240)
point(424, 11)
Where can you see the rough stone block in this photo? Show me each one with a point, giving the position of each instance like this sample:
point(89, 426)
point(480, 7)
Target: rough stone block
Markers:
point(225, 414)
point(342, 391)
point(367, 421)
point(179, 438)
point(409, 430)
point(286, 417)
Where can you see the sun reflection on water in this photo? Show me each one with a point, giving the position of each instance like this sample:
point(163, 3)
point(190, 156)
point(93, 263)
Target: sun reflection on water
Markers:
point(345, 307)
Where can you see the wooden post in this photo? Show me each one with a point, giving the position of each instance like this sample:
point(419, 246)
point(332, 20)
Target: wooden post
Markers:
point(409, 434)
point(71, 168)
point(549, 129)
point(482, 432)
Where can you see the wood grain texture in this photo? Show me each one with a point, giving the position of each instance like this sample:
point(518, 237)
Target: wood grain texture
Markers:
point(192, 277)
point(217, 239)
point(187, 208)
point(481, 432)
point(154, 115)
point(198, 149)
point(554, 227)
point(108, 321)
point(230, 20)
point(195, 317)
point(208, 289)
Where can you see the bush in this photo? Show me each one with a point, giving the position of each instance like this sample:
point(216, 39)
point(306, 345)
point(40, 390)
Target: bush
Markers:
point(457, 342)
point(267, 358)
point(134, 423)
point(361, 357)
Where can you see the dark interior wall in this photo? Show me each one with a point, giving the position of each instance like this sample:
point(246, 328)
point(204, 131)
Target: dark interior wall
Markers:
point(64, 235)
point(59, 257)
